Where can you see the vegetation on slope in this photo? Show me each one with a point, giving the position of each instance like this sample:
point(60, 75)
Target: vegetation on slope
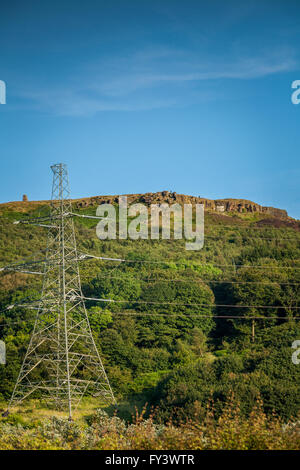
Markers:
point(177, 357)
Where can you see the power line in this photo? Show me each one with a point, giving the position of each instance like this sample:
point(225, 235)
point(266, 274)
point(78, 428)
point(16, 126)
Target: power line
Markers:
point(18, 268)
point(195, 315)
point(121, 260)
point(24, 263)
point(189, 315)
point(188, 305)
point(37, 220)
point(221, 317)
point(202, 281)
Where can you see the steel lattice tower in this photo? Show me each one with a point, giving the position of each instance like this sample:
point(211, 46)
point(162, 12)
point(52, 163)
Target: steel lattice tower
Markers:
point(62, 362)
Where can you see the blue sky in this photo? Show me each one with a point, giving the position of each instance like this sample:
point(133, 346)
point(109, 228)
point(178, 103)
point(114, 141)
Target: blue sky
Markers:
point(139, 96)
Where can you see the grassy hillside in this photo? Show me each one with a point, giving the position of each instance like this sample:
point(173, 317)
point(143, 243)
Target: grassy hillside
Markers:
point(173, 354)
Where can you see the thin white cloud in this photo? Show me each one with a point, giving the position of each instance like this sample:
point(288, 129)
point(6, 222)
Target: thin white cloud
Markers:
point(149, 79)
point(171, 67)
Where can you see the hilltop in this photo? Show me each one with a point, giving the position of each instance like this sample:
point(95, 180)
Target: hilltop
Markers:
point(226, 206)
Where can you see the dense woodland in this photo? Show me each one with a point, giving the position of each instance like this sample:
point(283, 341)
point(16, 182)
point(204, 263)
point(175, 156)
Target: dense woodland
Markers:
point(168, 345)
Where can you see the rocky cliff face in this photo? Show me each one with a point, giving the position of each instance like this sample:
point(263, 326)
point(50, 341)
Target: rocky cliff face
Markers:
point(217, 205)
point(226, 206)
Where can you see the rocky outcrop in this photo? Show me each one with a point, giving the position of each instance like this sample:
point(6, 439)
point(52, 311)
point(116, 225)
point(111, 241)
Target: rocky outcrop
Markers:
point(217, 205)
point(225, 206)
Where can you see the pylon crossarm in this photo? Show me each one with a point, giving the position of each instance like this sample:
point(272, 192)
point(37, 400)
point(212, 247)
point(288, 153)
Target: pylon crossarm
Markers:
point(29, 306)
point(38, 220)
point(26, 268)
point(23, 271)
point(85, 256)
point(85, 216)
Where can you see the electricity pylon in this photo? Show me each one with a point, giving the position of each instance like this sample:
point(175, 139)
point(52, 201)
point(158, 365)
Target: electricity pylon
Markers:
point(62, 362)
